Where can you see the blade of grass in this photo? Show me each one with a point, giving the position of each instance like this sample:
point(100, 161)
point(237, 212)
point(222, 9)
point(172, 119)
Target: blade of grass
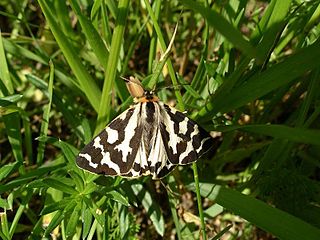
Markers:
point(199, 201)
point(180, 106)
point(259, 213)
point(223, 26)
point(46, 116)
point(4, 73)
point(111, 71)
point(92, 35)
point(4, 225)
point(72, 221)
point(13, 127)
point(154, 39)
point(162, 61)
point(152, 208)
point(310, 97)
point(19, 213)
point(173, 202)
point(300, 135)
point(261, 84)
point(164, 47)
point(87, 84)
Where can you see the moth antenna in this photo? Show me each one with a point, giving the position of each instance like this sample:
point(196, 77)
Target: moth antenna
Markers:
point(125, 79)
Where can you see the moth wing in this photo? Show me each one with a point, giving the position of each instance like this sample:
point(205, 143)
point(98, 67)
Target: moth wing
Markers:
point(185, 141)
point(113, 150)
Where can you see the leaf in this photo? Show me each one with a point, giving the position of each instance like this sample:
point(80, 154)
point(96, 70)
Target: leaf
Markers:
point(152, 208)
point(270, 219)
point(60, 186)
point(222, 25)
point(6, 86)
point(259, 85)
point(119, 198)
point(72, 221)
point(300, 135)
point(13, 126)
point(46, 115)
point(55, 221)
point(88, 85)
point(86, 217)
point(92, 35)
point(56, 206)
point(8, 100)
point(7, 169)
point(95, 211)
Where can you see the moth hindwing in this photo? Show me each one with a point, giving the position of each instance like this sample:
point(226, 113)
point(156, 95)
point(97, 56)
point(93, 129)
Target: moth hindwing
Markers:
point(149, 138)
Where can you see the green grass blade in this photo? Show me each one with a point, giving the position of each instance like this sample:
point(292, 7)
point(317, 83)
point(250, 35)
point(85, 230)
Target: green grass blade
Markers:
point(111, 71)
point(87, 84)
point(300, 135)
point(13, 126)
point(4, 225)
point(150, 206)
point(86, 217)
point(4, 73)
point(55, 221)
point(7, 169)
point(92, 35)
point(173, 205)
point(163, 45)
point(275, 221)
point(269, 80)
point(19, 212)
point(222, 25)
point(46, 115)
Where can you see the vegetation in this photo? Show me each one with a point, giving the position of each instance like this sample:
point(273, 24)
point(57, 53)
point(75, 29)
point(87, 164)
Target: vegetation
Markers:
point(248, 69)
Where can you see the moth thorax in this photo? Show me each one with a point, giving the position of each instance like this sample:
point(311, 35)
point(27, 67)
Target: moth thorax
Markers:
point(135, 88)
point(149, 95)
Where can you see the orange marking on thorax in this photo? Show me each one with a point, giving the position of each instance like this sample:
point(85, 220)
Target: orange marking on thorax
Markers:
point(144, 99)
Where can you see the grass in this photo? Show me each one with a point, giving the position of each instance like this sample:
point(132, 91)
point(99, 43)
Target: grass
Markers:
point(247, 69)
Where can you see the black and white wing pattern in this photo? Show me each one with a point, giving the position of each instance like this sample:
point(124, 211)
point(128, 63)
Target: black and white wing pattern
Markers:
point(113, 151)
point(149, 138)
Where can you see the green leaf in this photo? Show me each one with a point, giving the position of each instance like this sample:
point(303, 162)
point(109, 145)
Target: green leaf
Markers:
point(151, 207)
point(95, 211)
point(4, 204)
point(87, 84)
point(222, 25)
point(61, 205)
point(260, 84)
point(92, 35)
point(8, 100)
point(300, 135)
point(86, 221)
point(111, 71)
point(7, 169)
point(46, 115)
point(119, 198)
point(55, 221)
point(60, 186)
point(6, 86)
point(13, 126)
point(72, 221)
point(270, 219)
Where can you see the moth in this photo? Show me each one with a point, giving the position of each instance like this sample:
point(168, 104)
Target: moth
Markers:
point(149, 138)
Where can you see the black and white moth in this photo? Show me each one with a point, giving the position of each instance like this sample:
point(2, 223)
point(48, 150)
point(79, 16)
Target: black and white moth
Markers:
point(149, 138)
